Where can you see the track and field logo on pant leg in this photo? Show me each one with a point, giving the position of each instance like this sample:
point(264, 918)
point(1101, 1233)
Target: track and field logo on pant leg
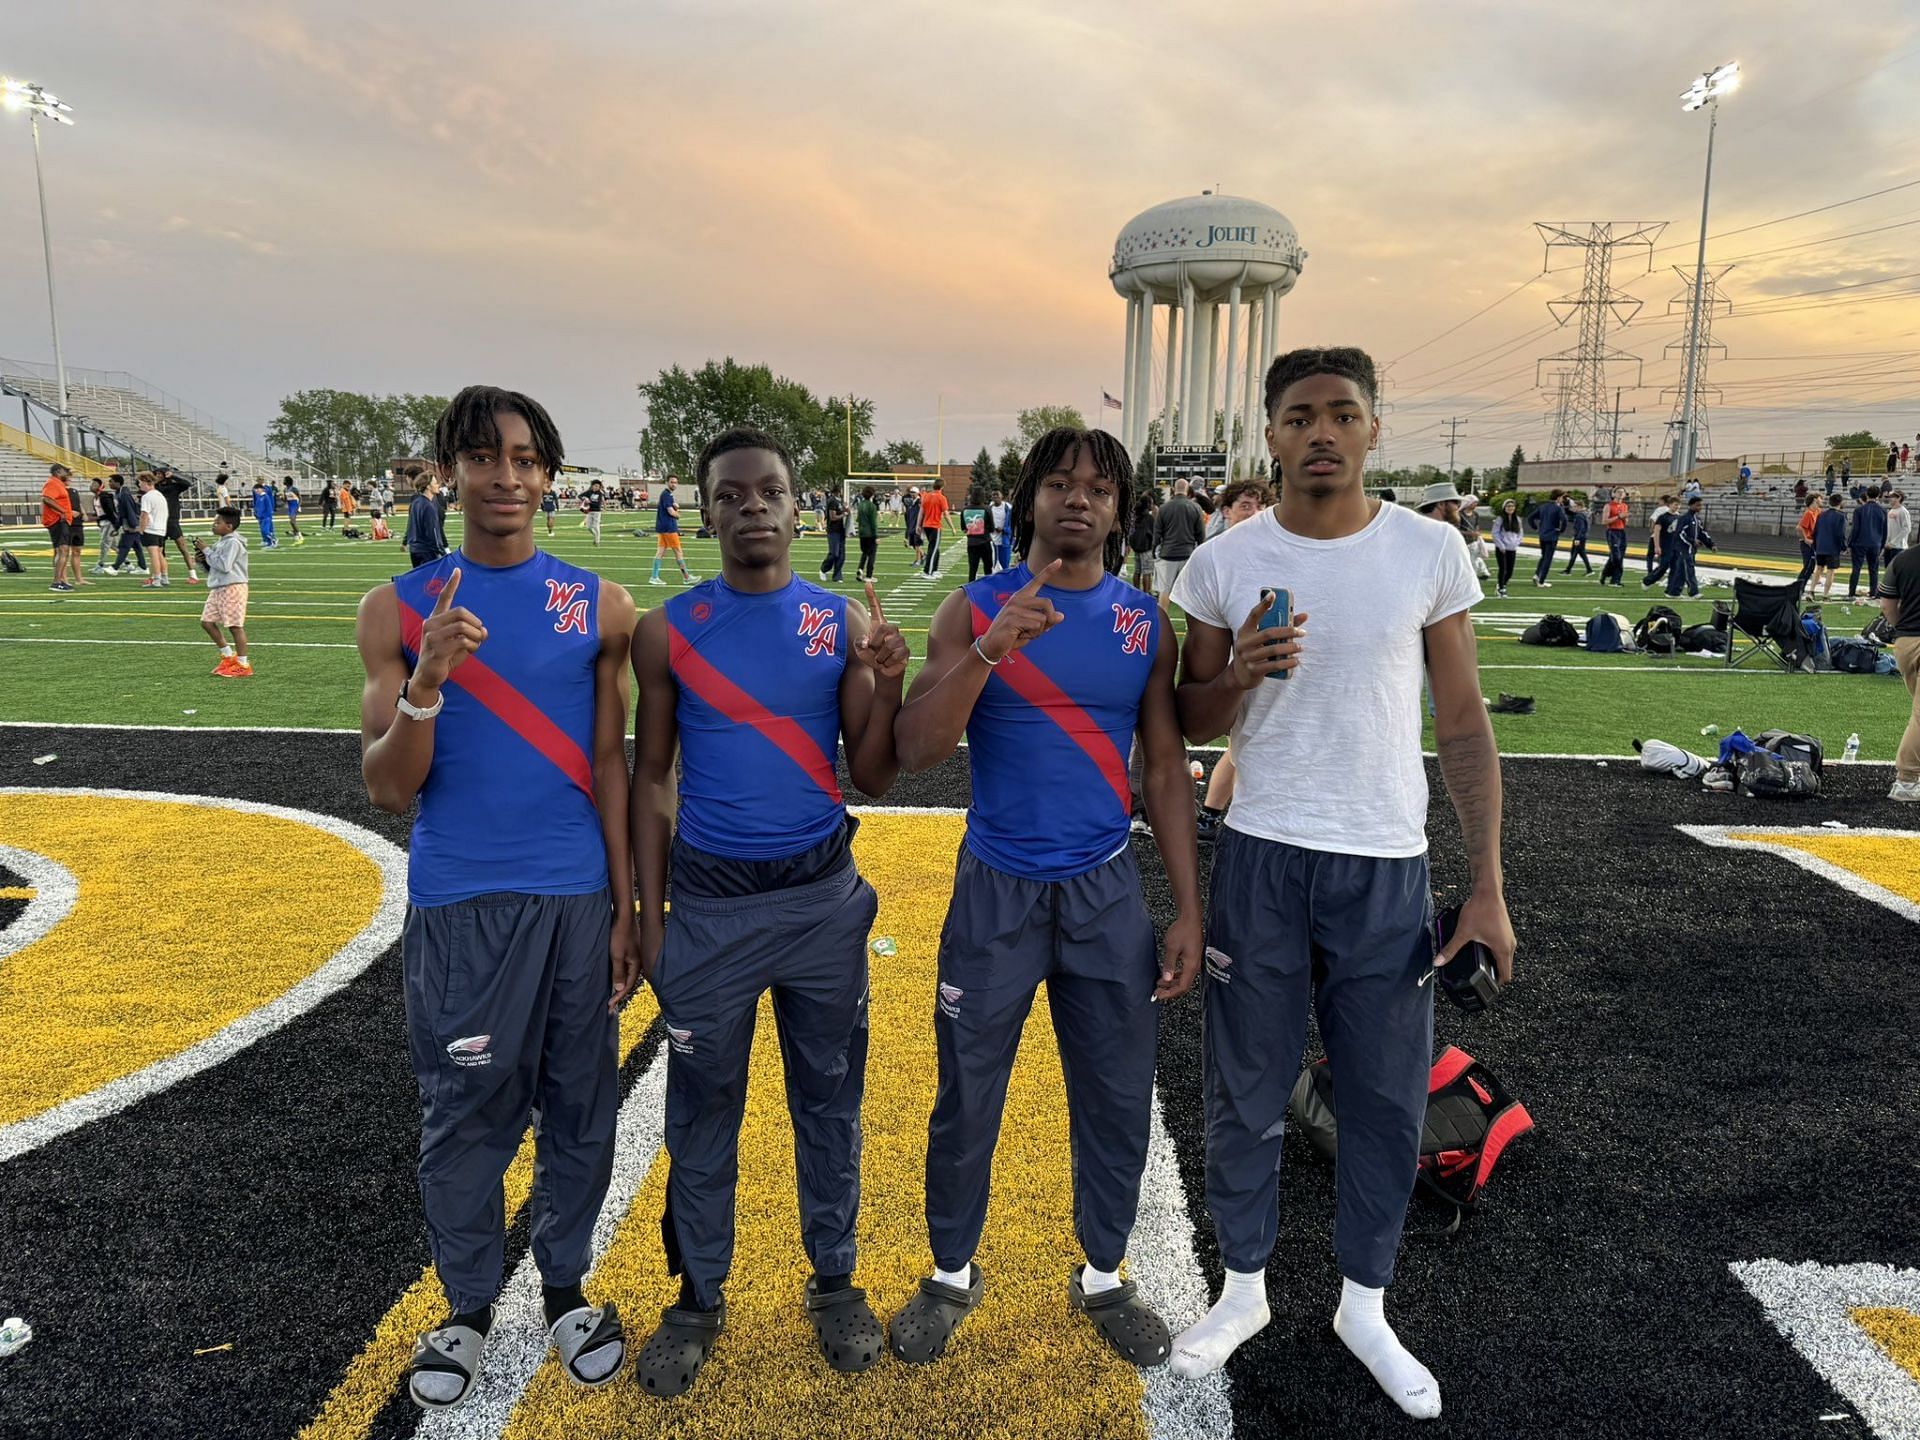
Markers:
point(949, 1000)
point(470, 1050)
point(1218, 964)
point(680, 1040)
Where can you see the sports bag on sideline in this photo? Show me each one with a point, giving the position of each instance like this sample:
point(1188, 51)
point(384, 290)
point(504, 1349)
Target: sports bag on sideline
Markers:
point(1703, 639)
point(1550, 630)
point(1765, 774)
point(1789, 745)
point(1471, 1119)
point(1659, 631)
point(1853, 656)
point(1606, 634)
point(9, 564)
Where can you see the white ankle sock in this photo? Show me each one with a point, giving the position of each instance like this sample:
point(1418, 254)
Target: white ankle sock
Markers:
point(959, 1279)
point(1361, 1323)
point(1239, 1314)
point(227, 651)
point(1098, 1282)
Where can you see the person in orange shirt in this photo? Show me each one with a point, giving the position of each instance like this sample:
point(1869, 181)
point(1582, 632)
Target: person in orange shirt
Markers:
point(1614, 517)
point(1808, 517)
point(933, 515)
point(63, 528)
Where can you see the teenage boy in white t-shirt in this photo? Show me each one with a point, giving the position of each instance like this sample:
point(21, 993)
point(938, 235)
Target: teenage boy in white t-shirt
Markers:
point(1320, 888)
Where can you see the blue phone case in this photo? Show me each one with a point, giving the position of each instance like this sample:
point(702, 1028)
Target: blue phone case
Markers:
point(1279, 613)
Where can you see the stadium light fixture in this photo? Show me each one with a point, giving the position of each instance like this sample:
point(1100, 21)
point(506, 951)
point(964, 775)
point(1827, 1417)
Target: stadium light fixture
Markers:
point(15, 96)
point(1706, 90)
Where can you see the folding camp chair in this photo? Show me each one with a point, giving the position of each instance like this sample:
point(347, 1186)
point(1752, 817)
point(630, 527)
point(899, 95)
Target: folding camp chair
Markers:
point(1767, 617)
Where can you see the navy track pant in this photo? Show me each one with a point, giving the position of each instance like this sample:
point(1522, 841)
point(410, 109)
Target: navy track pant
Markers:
point(1548, 543)
point(1348, 933)
point(808, 945)
point(507, 1022)
point(1090, 939)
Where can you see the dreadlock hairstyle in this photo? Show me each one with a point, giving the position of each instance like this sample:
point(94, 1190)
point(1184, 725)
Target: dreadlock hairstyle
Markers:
point(468, 424)
point(740, 437)
point(1062, 446)
point(1345, 361)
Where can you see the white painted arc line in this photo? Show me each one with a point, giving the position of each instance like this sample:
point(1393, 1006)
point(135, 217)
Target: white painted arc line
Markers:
point(55, 891)
point(344, 966)
point(1725, 837)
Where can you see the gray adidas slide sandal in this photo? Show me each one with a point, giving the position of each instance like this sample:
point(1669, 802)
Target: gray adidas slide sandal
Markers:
point(591, 1344)
point(1124, 1321)
point(919, 1332)
point(445, 1366)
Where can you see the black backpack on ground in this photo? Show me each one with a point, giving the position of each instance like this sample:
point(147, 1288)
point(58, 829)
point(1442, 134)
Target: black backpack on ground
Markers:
point(1789, 745)
point(1659, 631)
point(1853, 656)
point(1550, 630)
point(9, 564)
point(1879, 630)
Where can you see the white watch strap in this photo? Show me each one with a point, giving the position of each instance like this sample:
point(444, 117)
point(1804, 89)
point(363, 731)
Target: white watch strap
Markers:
point(413, 712)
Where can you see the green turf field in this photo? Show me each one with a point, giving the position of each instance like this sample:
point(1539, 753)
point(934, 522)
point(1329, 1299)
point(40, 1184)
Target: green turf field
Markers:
point(116, 653)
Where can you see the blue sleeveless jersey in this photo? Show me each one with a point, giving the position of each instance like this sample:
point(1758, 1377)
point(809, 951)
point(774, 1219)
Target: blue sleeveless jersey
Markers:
point(508, 802)
point(759, 716)
point(1048, 740)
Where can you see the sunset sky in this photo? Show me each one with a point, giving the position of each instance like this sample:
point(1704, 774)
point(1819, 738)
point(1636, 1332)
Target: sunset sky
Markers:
point(912, 200)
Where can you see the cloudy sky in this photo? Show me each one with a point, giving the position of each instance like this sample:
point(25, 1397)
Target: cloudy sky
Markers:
point(910, 200)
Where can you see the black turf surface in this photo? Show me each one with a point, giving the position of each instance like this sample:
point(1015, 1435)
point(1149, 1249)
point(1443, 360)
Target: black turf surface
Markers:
point(1718, 1049)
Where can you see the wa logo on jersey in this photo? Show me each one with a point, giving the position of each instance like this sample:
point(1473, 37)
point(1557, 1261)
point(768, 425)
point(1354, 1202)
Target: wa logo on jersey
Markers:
point(1132, 622)
point(565, 599)
point(818, 628)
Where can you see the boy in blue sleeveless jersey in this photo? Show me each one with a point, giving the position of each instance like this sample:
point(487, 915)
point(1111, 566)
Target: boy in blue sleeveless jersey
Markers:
point(1319, 891)
point(1051, 669)
point(754, 678)
point(505, 715)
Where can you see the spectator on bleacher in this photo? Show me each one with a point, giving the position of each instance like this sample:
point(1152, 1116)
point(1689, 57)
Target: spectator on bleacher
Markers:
point(221, 494)
point(1832, 481)
point(1614, 518)
point(1829, 542)
point(1507, 532)
point(1550, 519)
point(56, 513)
point(153, 531)
point(329, 505)
point(1893, 457)
point(1899, 526)
point(1809, 518)
point(1866, 540)
point(1800, 491)
point(1691, 491)
point(1689, 534)
point(1578, 523)
point(426, 533)
point(1846, 472)
point(293, 508)
point(1905, 450)
point(170, 487)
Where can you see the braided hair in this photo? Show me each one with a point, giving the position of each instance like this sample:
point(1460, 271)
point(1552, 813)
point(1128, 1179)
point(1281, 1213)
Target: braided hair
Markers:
point(1062, 445)
point(468, 424)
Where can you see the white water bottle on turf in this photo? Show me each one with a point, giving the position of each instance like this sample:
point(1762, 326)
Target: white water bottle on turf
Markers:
point(1852, 752)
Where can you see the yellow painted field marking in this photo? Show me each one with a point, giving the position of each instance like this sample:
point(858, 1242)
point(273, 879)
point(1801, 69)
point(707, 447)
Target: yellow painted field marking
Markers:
point(1890, 861)
point(17, 892)
point(1895, 1331)
point(79, 1008)
point(1021, 1365)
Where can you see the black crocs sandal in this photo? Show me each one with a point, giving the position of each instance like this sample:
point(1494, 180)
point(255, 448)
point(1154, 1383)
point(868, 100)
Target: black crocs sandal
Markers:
point(674, 1353)
point(1124, 1321)
point(919, 1332)
point(846, 1327)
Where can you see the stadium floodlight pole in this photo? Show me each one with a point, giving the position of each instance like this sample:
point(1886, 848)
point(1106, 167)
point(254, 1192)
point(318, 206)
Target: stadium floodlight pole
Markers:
point(18, 95)
point(1706, 90)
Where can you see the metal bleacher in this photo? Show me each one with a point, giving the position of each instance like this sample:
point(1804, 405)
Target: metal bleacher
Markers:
point(143, 418)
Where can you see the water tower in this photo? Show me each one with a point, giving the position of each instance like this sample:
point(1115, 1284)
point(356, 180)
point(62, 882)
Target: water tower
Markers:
point(1195, 256)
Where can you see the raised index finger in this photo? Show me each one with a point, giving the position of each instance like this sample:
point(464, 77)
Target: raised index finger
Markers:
point(1032, 587)
point(445, 602)
point(873, 606)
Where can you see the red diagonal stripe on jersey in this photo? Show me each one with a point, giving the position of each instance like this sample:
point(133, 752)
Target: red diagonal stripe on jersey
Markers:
point(508, 705)
point(700, 675)
point(1034, 686)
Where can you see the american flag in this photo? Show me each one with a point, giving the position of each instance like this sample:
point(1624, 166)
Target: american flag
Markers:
point(1110, 403)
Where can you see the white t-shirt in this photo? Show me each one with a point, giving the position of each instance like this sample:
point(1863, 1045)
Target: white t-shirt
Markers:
point(153, 513)
point(1002, 518)
point(1329, 757)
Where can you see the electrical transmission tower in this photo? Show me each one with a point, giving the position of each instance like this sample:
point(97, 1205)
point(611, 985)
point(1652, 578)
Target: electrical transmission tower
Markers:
point(1584, 418)
point(1712, 303)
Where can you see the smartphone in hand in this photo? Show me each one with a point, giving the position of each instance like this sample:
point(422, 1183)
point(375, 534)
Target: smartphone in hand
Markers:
point(1279, 613)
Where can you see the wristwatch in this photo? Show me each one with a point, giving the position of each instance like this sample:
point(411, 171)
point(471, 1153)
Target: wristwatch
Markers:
point(414, 712)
